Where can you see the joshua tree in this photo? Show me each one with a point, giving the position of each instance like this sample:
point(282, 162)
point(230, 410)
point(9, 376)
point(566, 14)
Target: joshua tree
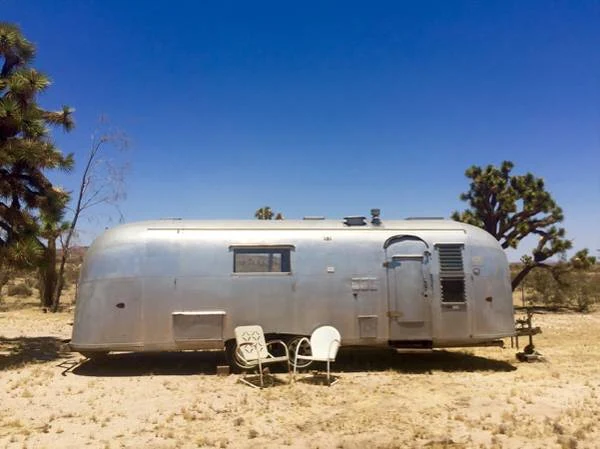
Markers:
point(264, 213)
point(512, 207)
point(29, 203)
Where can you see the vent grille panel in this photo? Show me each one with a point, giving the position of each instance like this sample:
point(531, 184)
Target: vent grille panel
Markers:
point(451, 261)
point(452, 274)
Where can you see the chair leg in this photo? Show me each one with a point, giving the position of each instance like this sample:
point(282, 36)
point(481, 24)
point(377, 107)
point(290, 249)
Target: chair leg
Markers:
point(247, 382)
point(260, 373)
point(295, 365)
point(335, 380)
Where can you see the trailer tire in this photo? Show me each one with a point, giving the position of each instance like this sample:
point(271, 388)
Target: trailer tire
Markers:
point(305, 350)
point(232, 357)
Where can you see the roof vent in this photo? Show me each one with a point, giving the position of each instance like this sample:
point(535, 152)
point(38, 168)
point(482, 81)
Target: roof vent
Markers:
point(314, 217)
point(375, 220)
point(355, 221)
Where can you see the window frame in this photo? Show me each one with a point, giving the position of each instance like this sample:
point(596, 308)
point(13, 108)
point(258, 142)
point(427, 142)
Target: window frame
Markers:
point(284, 250)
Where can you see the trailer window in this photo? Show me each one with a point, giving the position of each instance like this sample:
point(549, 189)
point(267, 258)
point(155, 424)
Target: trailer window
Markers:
point(453, 290)
point(452, 275)
point(261, 260)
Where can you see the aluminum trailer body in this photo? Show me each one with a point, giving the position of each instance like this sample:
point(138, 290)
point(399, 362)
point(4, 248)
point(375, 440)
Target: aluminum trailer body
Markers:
point(176, 285)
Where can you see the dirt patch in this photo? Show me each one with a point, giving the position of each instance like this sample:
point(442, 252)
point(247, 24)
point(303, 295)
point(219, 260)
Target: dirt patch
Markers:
point(447, 399)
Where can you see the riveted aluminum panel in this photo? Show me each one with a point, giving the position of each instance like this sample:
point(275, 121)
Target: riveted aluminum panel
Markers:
point(162, 267)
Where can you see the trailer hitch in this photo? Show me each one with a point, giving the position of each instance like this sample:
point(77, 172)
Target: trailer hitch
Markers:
point(524, 327)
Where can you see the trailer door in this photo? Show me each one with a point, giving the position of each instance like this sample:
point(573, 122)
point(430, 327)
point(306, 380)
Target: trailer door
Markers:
point(408, 290)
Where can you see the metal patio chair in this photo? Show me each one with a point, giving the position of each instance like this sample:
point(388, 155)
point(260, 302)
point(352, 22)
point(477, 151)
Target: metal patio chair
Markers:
point(252, 352)
point(324, 343)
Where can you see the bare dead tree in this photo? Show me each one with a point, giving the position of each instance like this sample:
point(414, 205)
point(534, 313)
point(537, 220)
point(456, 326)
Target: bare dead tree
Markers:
point(102, 183)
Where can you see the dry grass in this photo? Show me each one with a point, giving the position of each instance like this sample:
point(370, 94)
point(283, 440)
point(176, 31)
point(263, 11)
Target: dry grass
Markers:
point(449, 399)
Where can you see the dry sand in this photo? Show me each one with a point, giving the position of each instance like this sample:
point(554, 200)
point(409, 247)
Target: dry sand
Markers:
point(455, 399)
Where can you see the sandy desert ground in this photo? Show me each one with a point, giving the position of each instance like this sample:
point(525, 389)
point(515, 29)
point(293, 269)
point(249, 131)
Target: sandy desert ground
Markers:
point(454, 399)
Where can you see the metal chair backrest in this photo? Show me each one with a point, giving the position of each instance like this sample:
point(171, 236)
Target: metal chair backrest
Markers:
point(251, 334)
point(324, 342)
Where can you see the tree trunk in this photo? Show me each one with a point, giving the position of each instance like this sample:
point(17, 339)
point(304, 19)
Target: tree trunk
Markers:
point(47, 275)
point(66, 248)
point(4, 278)
point(58, 292)
point(521, 275)
point(60, 283)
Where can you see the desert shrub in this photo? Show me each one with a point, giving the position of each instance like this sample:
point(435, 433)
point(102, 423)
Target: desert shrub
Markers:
point(30, 281)
point(544, 289)
point(584, 290)
point(71, 274)
point(19, 290)
point(564, 287)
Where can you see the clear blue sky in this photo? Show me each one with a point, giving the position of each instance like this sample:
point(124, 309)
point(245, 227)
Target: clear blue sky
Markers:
point(328, 108)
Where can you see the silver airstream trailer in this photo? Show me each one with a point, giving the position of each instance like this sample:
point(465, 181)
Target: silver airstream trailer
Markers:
point(177, 285)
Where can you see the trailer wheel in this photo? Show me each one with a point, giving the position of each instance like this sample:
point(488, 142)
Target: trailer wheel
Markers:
point(304, 350)
point(233, 358)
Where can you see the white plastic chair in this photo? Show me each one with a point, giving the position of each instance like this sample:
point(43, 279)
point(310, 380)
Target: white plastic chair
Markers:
point(252, 351)
point(324, 343)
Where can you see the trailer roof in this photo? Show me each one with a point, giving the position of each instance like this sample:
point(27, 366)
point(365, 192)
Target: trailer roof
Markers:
point(165, 224)
point(136, 231)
